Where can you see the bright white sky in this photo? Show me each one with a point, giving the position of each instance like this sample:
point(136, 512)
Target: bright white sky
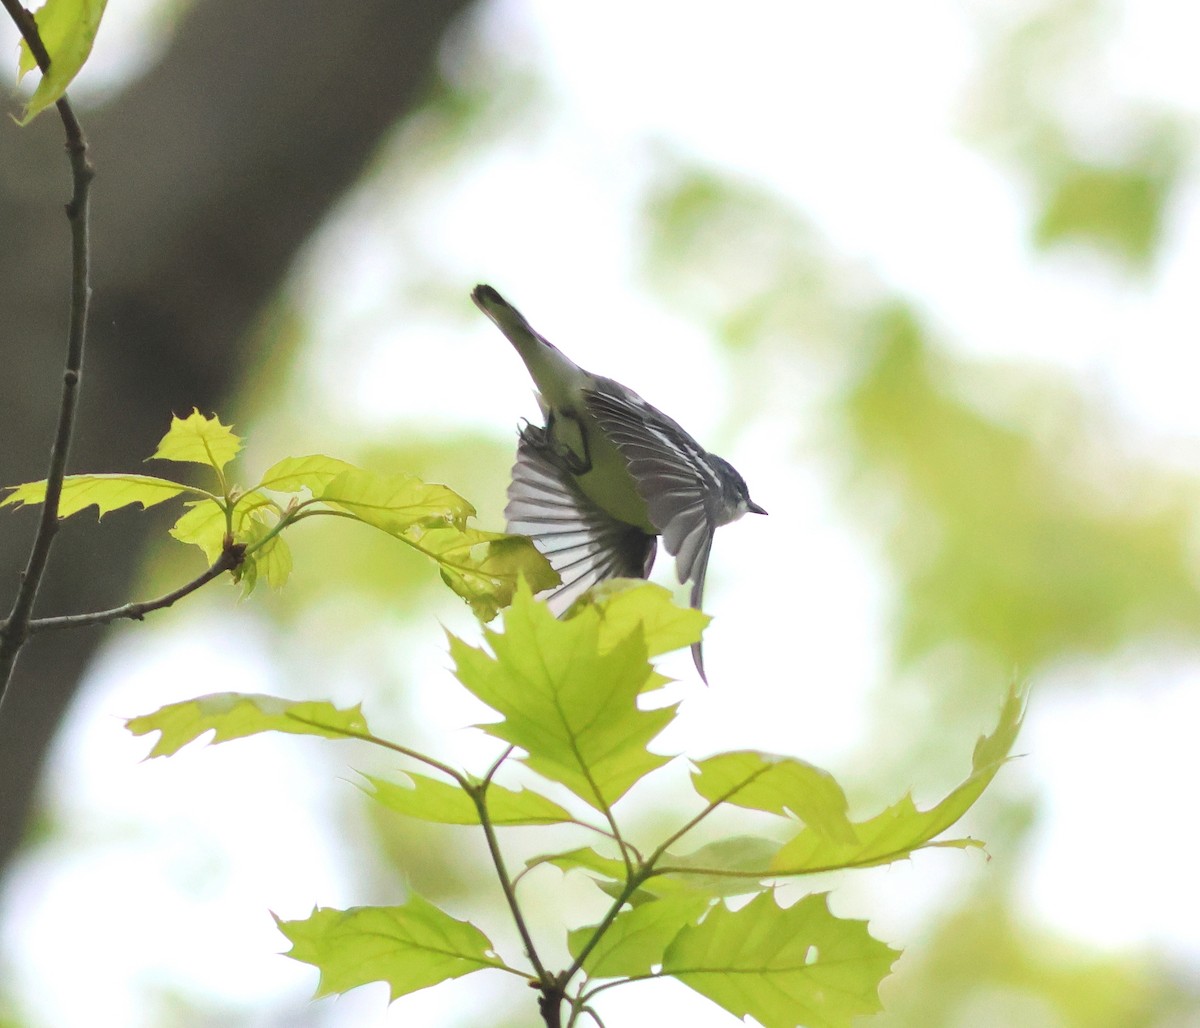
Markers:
point(811, 100)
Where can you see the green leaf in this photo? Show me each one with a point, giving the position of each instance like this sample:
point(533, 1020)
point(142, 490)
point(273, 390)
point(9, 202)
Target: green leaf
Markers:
point(895, 832)
point(585, 859)
point(444, 803)
point(637, 938)
point(271, 560)
point(410, 947)
point(313, 473)
point(784, 967)
point(484, 567)
point(68, 29)
point(394, 503)
point(572, 708)
point(106, 492)
point(777, 785)
point(254, 516)
point(198, 440)
point(232, 715)
point(203, 525)
point(727, 867)
point(625, 603)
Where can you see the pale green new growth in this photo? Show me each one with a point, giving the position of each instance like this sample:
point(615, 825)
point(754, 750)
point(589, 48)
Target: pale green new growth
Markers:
point(68, 29)
point(894, 833)
point(247, 524)
point(396, 504)
point(198, 440)
point(638, 937)
point(783, 966)
point(571, 707)
point(431, 800)
point(232, 715)
point(623, 605)
point(568, 692)
point(483, 567)
point(410, 947)
point(313, 473)
point(105, 492)
point(778, 785)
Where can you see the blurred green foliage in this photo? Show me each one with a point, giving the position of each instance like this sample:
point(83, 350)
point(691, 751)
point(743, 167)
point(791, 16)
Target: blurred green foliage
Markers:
point(1101, 167)
point(988, 962)
point(999, 538)
point(1014, 530)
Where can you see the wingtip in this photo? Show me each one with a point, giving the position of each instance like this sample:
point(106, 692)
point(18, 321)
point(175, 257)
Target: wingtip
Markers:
point(698, 660)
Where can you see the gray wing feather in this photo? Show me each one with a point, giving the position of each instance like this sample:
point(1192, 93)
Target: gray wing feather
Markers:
point(681, 491)
point(581, 542)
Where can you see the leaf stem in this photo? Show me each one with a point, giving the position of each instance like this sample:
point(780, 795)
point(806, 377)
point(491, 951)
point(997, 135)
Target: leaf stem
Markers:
point(460, 779)
point(15, 629)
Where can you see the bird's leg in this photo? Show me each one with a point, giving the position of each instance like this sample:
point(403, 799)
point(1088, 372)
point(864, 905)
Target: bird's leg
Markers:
point(575, 463)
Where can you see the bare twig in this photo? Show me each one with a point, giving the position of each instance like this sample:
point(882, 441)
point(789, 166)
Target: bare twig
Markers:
point(15, 629)
point(227, 561)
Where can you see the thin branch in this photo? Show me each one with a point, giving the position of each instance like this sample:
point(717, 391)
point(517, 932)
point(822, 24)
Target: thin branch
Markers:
point(227, 561)
point(15, 629)
point(478, 796)
point(631, 886)
point(670, 841)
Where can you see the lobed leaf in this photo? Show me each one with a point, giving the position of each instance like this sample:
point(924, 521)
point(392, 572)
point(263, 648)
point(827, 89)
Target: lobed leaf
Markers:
point(204, 525)
point(198, 440)
point(777, 785)
point(394, 503)
point(271, 559)
point(785, 967)
point(232, 715)
point(411, 947)
point(571, 707)
point(900, 829)
point(68, 30)
point(623, 604)
point(254, 516)
point(105, 492)
point(484, 567)
point(313, 473)
point(445, 803)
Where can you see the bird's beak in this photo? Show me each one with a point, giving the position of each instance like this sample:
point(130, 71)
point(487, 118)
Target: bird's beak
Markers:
point(754, 508)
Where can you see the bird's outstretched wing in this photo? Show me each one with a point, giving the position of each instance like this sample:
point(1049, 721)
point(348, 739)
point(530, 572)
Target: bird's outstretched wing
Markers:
point(583, 543)
point(683, 492)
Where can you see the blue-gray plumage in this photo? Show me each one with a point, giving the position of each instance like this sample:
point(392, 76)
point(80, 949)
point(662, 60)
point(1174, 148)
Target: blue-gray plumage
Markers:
point(607, 474)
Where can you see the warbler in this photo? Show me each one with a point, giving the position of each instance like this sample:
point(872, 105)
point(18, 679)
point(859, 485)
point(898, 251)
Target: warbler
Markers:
point(607, 474)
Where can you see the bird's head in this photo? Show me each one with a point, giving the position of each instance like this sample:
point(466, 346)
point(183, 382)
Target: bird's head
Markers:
point(735, 495)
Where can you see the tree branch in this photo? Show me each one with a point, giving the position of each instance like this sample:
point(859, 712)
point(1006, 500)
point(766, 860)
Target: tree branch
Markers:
point(227, 561)
point(15, 629)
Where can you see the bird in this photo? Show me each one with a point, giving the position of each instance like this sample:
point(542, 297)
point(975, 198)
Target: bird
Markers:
point(607, 475)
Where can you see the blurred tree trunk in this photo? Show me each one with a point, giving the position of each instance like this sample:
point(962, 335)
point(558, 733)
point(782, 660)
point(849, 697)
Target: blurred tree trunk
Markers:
point(212, 171)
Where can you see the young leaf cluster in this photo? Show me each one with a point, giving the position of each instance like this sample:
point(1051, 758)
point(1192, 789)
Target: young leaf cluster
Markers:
point(245, 524)
point(67, 29)
point(566, 695)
